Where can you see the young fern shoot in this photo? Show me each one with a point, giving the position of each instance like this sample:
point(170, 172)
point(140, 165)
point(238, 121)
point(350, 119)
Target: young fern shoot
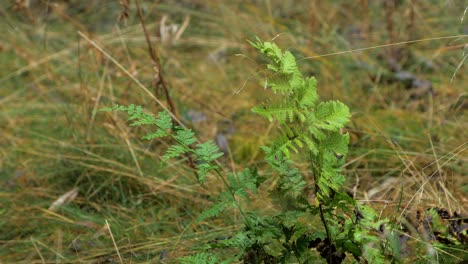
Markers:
point(304, 122)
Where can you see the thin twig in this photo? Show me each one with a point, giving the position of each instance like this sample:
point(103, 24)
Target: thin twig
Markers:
point(389, 6)
point(160, 81)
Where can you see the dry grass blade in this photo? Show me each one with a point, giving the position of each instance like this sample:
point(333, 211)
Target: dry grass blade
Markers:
point(37, 250)
point(113, 241)
point(385, 46)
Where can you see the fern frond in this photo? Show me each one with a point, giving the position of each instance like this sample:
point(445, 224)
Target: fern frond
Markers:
point(328, 180)
point(203, 258)
point(310, 143)
point(283, 145)
point(268, 48)
point(279, 84)
point(243, 181)
point(335, 148)
point(213, 211)
point(164, 121)
point(241, 240)
point(175, 151)
point(292, 184)
point(288, 64)
point(307, 96)
point(208, 151)
point(184, 136)
point(203, 168)
point(333, 115)
point(367, 225)
point(135, 114)
point(281, 112)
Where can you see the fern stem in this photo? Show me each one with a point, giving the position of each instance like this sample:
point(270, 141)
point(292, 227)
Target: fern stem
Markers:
point(322, 217)
point(316, 173)
point(233, 196)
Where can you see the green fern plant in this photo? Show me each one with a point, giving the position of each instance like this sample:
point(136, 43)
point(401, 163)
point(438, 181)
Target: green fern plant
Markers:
point(310, 130)
point(303, 122)
point(205, 153)
point(313, 129)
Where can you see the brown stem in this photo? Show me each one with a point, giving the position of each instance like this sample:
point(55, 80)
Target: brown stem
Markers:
point(316, 172)
point(411, 19)
point(322, 217)
point(160, 81)
point(389, 6)
point(367, 25)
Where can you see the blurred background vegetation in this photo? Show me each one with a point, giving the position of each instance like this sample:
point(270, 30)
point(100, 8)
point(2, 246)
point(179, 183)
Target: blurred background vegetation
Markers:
point(69, 174)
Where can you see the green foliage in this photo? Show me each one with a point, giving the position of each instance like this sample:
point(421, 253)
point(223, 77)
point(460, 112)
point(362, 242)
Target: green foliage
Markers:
point(304, 123)
point(291, 182)
point(239, 187)
point(205, 258)
point(312, 131)
point(316, 128)
point(204, 153)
